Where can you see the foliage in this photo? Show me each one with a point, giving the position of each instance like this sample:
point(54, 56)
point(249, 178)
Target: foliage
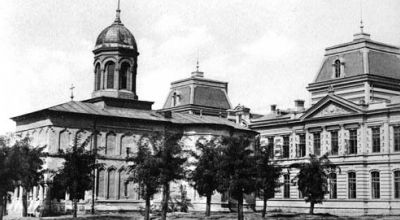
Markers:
point(7, 175)
point(206, 168)
point(145, 171)
point(76, 173)
point(181, 203)
point(312, 179)
point(268, 174)
point(237, 173)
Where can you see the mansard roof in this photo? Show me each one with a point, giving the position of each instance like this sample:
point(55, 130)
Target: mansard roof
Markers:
point(361, 56)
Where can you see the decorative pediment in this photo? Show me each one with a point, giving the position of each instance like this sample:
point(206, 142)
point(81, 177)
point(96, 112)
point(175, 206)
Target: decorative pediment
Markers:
point(331, 105)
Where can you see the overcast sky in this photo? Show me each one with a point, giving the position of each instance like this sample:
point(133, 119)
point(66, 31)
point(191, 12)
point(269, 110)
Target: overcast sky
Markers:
point(268, 51)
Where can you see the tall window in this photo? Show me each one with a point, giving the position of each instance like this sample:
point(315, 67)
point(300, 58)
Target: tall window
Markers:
point(110, 144)
point(271, 147)
point(337, 68)
point(100, 183)
point(376, 140)
point(375, 185)
point(352, 185)
point(397, 184)
point(396, 138)
point(302, 145)
point(121, 181)
point(317, 143)
point(285, 146)
point(334, 143)
point(111, 184)
point(332, 186)
point(123, 76)
point(286, 187)
point(97, 77)
point(353, 141)
point(110, 67)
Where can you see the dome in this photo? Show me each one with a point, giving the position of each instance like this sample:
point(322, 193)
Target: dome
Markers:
point(116, 33)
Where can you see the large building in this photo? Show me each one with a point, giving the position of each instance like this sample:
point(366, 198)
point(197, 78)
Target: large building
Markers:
point(115, 120)
point(355, 118)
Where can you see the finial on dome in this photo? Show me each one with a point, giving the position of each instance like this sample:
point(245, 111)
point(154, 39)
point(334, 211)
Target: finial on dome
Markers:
point(362, 35)
point(118, 14)
point(197, 73)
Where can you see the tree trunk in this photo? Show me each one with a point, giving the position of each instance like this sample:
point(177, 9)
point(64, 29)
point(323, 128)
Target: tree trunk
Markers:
point(208, 207)
point(1, 207)
point(240, 207)
point(312, 208)
point(165, 199)
point(264, 207)
point(147, 210)
point(75, 209)
point(24, 202)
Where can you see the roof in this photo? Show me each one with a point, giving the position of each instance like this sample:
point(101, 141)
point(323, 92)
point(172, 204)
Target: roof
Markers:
point(150, 115)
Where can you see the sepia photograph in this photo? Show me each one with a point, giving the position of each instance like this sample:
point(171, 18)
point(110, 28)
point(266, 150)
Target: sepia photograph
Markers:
point(200, 109)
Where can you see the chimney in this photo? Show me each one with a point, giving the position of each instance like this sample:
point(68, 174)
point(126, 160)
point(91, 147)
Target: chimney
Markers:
point(299, 105)
point(273, 108)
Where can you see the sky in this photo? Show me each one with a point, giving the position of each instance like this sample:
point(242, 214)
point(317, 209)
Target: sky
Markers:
point(268, 51)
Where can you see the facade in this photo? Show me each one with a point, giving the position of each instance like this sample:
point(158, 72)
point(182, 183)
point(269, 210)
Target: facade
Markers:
point(355, 118)
point(114, 120)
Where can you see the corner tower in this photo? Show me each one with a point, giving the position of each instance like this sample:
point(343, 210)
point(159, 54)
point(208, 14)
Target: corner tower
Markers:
point(115, 62)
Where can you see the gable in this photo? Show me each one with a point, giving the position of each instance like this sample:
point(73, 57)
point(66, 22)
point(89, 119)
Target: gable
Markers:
point(331, 109)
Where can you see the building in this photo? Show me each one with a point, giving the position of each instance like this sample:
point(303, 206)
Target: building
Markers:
point(355, 118)
point(115, 119)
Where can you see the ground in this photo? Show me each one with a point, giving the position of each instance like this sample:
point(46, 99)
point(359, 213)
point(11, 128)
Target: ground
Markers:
point(219, 216)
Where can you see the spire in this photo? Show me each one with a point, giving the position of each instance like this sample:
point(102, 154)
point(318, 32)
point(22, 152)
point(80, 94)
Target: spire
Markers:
point(361, 18)
point(72, 92)
point(197, 73)
point(362, 35)
point(118, 14)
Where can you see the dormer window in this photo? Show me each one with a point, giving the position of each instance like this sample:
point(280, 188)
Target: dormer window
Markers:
point(175, 99)
point(337, 67)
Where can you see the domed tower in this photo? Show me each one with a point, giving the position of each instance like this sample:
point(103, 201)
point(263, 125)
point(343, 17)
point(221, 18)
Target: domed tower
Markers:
point(115, 62)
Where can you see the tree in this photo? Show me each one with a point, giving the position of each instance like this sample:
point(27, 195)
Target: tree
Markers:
point(27, 165)
point(76, 173)
point(237, 172)
point(312, 179)
point(268, 174)
point(7, 175)
point(145, 171)
point(170, 158)
point(206, 169)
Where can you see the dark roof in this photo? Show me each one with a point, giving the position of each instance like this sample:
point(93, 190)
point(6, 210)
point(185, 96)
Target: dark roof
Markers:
point(210, 97)
point(151, 115)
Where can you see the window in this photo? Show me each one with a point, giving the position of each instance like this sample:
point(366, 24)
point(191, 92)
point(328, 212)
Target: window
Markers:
point(317, 144)
point(97, 77)
point(111, 184)
point(375, 185)
point(352, 185)
point(123, 76)
point(121, 184)
point(396, 131)
point(127, 142)
point(175, 99)
point(271, 147)
point(353, 141)
point(376, 140)
point(332, 186)
point(285, 153)
point(286, 187)
point(334, 143)
point(337, 68)
point(110, 144)
point(100, 183)
point(110, 67)
point(302, 145)
point(65, 140)
point(397, 184)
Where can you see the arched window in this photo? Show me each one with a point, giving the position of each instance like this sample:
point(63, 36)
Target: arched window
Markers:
point(352, 185)
point(64, 140)
point(375, 185)
point(110, 67)
point(123, 76)
point(397, 184)
point(121, 184)
point(97, 77)
point(127, 142)
point(332, 186)
point(110, 144)
point(100, 183)
point(337, 68)
point(111, 184)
